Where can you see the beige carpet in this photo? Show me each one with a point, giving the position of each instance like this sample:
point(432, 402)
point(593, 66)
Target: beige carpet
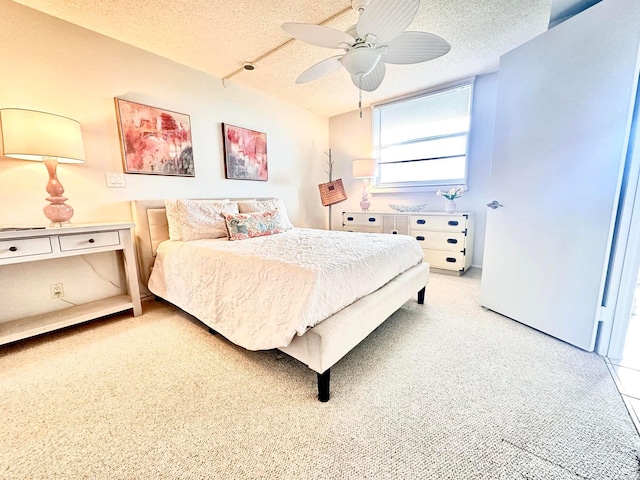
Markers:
point(441, 391)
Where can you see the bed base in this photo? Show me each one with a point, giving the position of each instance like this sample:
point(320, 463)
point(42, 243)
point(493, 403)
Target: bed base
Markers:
point(323, 345)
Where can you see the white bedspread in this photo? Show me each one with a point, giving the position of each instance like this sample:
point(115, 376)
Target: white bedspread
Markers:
point(260, 292)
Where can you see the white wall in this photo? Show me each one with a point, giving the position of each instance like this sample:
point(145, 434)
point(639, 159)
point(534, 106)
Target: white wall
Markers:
point(53, 66)
point(350, 137)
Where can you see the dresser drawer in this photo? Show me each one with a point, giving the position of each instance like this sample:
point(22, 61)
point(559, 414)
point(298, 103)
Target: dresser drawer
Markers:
point(87, 241)
point(450, 241)
point(445, 260)
point(450, 223)
point(362, 218)
point(362, 229)
point(24, 247)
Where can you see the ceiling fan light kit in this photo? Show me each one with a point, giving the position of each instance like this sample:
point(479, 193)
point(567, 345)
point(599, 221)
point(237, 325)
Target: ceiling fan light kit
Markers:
point(360, 61)
point(378, 38)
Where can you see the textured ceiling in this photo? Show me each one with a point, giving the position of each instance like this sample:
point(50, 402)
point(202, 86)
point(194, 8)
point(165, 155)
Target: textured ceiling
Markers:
point(217, 36)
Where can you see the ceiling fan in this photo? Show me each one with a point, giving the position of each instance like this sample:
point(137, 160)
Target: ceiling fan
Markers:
point(378, 38)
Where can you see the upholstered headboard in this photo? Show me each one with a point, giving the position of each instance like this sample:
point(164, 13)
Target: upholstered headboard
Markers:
point(152, 228)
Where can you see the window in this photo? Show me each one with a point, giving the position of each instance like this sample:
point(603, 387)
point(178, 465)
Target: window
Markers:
point(422, 141)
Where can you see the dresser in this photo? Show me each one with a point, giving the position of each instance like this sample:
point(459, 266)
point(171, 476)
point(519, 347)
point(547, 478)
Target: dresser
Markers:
point(34, 245)
point(446, 238)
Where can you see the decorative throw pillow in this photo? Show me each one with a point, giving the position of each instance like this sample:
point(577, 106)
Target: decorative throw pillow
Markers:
point(173, 221)
point(265, 206)
point(203, 219)
point(255, 224)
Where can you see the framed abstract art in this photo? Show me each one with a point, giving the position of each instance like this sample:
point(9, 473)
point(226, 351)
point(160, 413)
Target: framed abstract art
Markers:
point(154, 141)
point(245, 153)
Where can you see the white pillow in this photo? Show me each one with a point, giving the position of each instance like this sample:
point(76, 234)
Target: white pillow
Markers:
point(265, 206)
point(173, 218)
point(173, 221)
point(203, 219)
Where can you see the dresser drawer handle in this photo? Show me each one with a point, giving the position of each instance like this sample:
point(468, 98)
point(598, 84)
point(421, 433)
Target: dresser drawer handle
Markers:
point(421, 222)
point(452, 240)
point(91, 240)
point(372, 219)
point(420, 238)
point(349, 219)
point(13, 249)
point(453, 223)
point(451, 260)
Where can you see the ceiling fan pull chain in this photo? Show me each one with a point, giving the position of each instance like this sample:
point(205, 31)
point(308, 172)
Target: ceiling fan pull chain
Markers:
point(360, 99)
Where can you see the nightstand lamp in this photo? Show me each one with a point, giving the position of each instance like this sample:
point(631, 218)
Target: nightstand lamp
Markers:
point(48, 138)
point(365, 168)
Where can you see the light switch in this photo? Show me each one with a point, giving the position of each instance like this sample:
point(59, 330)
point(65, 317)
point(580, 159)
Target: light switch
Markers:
point(115, 180)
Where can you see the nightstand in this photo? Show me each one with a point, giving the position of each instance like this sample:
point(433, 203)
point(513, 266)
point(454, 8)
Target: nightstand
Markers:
point(33, 245)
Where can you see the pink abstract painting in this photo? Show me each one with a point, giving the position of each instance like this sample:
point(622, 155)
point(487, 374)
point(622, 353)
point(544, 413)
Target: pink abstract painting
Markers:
point(154, 141)
point(245, 153)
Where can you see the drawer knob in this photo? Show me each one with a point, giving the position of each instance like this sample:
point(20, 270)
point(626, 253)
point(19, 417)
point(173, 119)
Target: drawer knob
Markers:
point(13, 249)
point(349, 219)
point(372, 219)
point(451, 260)
point(91, 240)
point(421, 222)
point(420, 238)
point(453, 223)
point(452, 240)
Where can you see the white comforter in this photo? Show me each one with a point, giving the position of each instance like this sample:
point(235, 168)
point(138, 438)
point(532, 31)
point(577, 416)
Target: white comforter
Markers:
point(260, 292)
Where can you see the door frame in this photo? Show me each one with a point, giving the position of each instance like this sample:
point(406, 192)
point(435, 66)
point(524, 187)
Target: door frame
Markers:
point(624, 263)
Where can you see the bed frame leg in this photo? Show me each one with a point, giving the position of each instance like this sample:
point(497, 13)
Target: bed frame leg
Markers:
point(323, 385)
point(421, 295)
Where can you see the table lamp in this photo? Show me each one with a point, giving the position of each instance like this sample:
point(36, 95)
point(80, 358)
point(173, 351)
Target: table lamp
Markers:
point(48, 138)
point(365, 168)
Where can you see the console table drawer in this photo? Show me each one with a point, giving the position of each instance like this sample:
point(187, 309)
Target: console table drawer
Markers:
point(87, 241)
point(25, 247)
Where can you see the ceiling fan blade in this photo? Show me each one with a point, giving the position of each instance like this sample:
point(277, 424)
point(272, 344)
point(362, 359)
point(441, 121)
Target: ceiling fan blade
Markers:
point(387, 19)
point(318, 35)
point(320, 69)
point(371, 81)
point(415, 47)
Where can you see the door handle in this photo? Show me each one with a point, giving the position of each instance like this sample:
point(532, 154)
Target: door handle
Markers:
point(494, 204)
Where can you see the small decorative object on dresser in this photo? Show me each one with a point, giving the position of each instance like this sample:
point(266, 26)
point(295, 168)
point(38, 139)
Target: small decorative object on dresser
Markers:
point(408, 208)
point(451, 195)
point(446, 239)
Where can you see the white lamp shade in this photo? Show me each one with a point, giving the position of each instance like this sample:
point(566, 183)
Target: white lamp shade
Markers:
point(364, 168)
point(31, 135)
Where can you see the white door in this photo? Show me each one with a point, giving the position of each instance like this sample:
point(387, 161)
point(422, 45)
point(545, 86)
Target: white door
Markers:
point(562, 126)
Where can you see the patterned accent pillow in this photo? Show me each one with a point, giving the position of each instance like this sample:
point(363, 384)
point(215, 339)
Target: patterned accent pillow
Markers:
point(267, 206)
point(203, 219)
point(255, 224)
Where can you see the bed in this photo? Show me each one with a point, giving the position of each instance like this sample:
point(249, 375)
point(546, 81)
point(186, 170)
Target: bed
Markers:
point(329, 312)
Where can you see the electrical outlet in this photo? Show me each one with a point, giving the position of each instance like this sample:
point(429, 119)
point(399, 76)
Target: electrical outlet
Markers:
point(57, 291)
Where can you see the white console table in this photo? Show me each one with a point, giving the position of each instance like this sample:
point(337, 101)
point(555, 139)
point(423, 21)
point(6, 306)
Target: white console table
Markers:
point(32, 245)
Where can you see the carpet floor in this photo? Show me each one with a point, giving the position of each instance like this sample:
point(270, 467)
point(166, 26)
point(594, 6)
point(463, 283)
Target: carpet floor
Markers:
point(445, 390)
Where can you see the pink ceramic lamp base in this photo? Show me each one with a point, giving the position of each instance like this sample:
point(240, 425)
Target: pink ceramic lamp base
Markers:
point(57, 211)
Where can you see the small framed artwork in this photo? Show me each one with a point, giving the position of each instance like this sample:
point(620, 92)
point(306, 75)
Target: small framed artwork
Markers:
point(154, 141)
point(245, 153)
